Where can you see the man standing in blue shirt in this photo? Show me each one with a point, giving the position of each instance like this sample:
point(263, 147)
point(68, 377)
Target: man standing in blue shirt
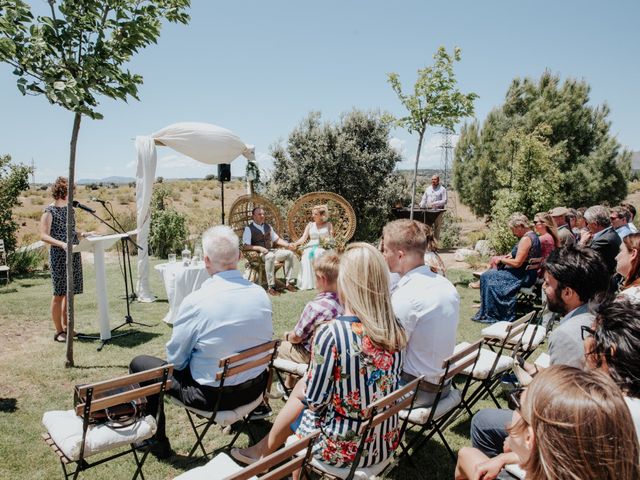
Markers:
point(226, 315)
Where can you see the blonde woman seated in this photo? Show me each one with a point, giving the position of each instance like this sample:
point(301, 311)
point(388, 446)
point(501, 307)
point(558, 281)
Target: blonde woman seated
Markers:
point(315, 235)
point(431, 257)
point(568, 424)
point(356, 359)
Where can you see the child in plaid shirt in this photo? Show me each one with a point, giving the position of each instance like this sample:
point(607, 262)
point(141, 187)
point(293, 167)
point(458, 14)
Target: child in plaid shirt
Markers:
point(325, 307)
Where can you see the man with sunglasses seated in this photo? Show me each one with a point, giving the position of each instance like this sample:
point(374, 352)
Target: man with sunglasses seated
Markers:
point(573, 276)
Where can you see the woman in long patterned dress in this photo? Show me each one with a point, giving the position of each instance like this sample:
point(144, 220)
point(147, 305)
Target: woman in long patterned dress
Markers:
point(53, 230)
point(499, 287)
point(315, 231)
point(356, 360)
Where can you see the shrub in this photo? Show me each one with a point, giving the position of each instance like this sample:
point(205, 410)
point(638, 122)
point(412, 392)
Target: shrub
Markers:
point(13, 180)
point(450, 231)
point(168, 232)
point(37, 201)
point(25, 261)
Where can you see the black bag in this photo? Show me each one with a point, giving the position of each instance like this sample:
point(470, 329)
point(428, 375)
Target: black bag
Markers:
point(116, 416)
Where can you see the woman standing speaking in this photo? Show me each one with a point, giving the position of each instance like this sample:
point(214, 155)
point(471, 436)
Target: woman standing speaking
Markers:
point(53, 230)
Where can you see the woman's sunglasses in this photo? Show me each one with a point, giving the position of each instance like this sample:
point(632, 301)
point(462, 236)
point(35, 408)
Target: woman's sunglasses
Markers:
point(513, 400)
point(587, 332)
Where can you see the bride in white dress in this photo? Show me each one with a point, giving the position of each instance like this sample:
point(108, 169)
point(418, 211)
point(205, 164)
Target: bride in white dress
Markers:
point(314, 232)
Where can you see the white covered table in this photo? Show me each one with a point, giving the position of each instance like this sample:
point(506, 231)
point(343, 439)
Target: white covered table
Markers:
point(180, 281)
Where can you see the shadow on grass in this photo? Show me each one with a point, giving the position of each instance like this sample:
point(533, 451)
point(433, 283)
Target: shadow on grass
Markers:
point(132, 338)
point(431, 460)
point(259, 429)
point(8, 405)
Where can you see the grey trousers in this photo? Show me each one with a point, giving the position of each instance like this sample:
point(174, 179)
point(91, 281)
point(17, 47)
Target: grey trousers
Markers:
point(489, 430)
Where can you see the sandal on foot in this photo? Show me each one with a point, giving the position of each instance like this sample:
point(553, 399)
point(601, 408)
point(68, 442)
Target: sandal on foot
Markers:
point(240, 457)
point(60, 337)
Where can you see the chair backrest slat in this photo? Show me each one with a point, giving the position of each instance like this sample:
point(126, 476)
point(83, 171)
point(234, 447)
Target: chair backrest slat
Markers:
point(99, 387)
point(249, 352)
point(123, 397)
point(276, 458)
point(457, 362)
point(244, 367)
point(393, 396)
point(404, 404)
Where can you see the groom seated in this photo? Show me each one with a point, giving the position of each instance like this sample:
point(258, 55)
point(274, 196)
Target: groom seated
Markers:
point(260, 237)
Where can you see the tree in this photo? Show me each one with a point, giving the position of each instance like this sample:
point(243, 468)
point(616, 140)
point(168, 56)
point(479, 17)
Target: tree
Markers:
point(351, 157)
point(435, 102)
point(591, 167)
point(76, 55)
point(13, 180)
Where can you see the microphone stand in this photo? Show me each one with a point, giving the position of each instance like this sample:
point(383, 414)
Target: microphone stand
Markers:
point(125, 243)
point(128, 319)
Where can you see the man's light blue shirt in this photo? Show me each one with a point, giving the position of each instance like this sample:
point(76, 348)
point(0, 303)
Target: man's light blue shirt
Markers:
point(226, 315)
point(623, 231)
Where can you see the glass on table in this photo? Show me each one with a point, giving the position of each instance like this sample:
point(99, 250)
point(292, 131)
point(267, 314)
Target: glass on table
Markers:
point(172, 258)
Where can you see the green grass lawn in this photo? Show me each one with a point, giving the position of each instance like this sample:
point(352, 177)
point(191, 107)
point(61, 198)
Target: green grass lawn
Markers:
point(33, 378)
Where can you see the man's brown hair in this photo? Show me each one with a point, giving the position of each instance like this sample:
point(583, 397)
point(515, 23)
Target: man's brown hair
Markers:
point(407, 235)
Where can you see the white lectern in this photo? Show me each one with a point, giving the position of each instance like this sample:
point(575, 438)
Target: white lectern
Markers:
point(98, 244)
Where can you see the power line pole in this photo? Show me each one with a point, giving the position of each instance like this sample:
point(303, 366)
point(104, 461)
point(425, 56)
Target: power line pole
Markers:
point(33, 173)
point(447, 153)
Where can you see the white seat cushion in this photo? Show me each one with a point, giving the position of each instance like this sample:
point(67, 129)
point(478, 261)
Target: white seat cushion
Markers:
point(485, 361)
point(515, 470)
point(361, 473)
point(420, 415)
point(65, 429)
point(499, 330)
point(289, 366)
point(220, 466)
point(223, 417)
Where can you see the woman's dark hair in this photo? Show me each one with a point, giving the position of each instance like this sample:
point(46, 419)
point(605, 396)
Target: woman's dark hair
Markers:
point(60, 188)
point(632, 242)
point(617, 341)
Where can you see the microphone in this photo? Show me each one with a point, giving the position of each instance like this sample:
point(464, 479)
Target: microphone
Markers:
point(94, 199)
point(77, 204)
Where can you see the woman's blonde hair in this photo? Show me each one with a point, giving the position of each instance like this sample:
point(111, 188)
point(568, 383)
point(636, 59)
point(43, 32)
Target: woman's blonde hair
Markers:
point(323, 210)
point(581, 426)
point(550, 225)
point(363, 286)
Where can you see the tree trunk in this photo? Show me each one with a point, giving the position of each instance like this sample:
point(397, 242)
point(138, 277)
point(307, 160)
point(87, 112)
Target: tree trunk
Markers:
point(415, 174)
point(70, 233)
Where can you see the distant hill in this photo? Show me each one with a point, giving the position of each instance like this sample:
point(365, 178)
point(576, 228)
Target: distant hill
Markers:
point(117, 180)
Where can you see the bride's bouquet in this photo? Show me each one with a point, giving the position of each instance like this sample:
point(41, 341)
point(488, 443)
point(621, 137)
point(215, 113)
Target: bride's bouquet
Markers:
point(328, 243)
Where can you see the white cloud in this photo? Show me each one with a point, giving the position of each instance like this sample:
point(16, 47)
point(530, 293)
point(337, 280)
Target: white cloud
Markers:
point(398, 145)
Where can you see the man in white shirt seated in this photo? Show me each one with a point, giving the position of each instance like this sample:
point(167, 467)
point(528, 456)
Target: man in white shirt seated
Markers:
point(426, 304)
point(226, 315)
point(262, 238)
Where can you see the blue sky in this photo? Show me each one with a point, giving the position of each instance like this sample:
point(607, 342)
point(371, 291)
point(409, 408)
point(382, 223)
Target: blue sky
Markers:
point(258, 67)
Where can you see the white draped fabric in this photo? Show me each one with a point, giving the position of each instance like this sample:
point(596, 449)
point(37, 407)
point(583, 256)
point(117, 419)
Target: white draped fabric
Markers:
point(203, 142)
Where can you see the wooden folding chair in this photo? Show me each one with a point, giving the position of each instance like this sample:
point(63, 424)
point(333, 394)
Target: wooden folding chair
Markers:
point(284, 367)
point(525, 343)
point(493, 362)
point(530, 297)
point(434, 419)
point(279, 464)
point(378, 412)
point(73, 438)
point(232, 365)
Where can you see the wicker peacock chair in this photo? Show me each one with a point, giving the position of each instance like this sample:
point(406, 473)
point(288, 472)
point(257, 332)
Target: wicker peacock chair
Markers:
point(239, 218)
point(341, 216)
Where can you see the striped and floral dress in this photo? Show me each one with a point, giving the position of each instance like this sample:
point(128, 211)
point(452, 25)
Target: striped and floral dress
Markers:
point(346, 374)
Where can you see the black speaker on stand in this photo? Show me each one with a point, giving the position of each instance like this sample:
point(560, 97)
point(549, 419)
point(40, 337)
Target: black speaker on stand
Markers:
point(224, 175)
